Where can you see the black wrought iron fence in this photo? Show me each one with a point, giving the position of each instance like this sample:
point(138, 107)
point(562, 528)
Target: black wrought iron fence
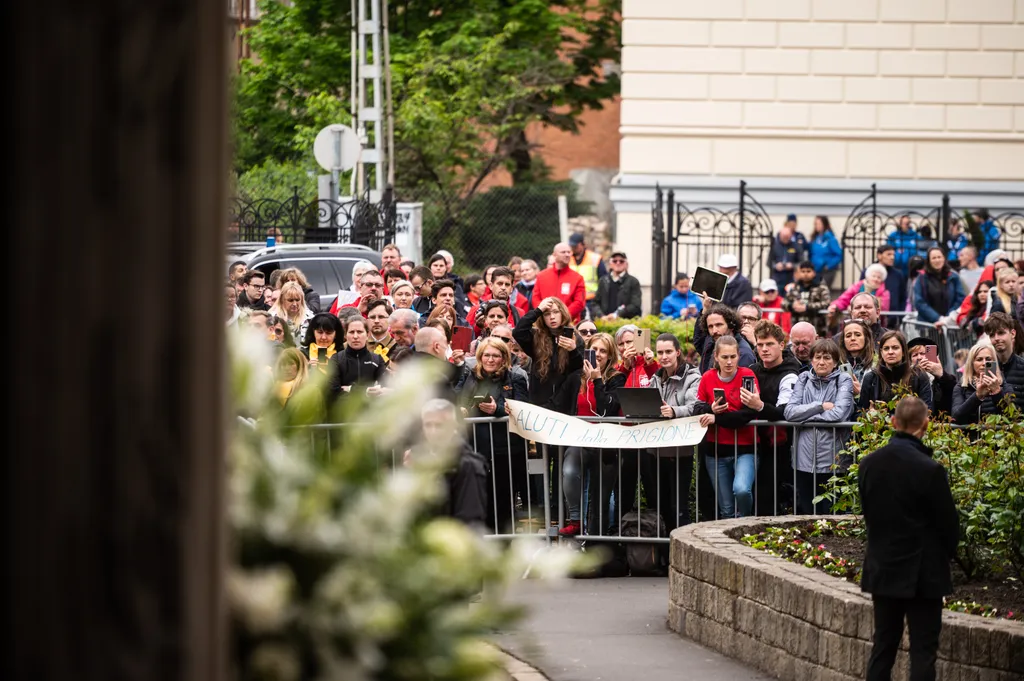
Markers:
point(295, 220)
point(494, 225)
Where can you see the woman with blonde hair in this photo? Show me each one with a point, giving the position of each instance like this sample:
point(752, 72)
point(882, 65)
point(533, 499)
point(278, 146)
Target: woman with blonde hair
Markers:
point(547, 336)
point(1003, 298)
point(482, 393)
point(597, 397)
point(982, 388)
point(291, 307)
point(296, 275)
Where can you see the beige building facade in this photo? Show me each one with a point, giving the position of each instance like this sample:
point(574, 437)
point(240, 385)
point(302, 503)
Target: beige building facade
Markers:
point(813, 101)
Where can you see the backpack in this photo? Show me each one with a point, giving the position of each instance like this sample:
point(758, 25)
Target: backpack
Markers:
point(645, 559)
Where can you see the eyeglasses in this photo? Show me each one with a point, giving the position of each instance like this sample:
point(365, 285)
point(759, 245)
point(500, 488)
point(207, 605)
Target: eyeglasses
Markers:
point(374, 285)
point(586, 332)
point(748, 318)
point(616, 261)
point(258, 287)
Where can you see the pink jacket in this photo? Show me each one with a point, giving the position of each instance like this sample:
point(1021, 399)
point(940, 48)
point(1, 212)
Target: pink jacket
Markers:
point(843, 301)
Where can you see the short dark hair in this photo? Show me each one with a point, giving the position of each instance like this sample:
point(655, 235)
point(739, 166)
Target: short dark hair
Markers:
point(440, 285)
point(422, 272)
point(501, 271)
point(750, 303)
point(884, 248)
point(805, 265)
point(370, 273)
point(235, 264)
point(324, 321)
point(670, 338)
point(380, 302)
point(911, 413)
point(253, 274)
point(437, 256)
point(680, 276)
point(410, 263)
point(767, 329)
point(395, 273)
point(999, 321)
point(472, 280)
point(825, 346)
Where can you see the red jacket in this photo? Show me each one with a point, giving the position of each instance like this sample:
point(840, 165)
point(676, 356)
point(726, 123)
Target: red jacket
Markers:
point(640, 375)
point(706, 393)
point(513, 315)
point(564, 284)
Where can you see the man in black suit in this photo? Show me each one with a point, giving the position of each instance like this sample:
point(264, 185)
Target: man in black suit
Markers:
point(913, 530)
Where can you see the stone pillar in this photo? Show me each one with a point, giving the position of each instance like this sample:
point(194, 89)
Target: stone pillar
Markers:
point(115, 481)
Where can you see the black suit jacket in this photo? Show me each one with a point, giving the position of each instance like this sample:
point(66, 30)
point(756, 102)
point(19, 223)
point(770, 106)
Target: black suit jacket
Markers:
point(912, 522)
point(626, 302)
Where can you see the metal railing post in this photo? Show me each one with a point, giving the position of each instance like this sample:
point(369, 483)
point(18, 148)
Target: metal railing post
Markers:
point(743, 215)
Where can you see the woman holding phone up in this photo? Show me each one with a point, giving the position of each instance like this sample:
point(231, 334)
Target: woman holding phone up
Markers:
point(982, 387)
point(728, 447)
point(546, 335)
point(597, 397)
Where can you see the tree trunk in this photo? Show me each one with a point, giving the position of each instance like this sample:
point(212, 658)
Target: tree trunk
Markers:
point(115, 487)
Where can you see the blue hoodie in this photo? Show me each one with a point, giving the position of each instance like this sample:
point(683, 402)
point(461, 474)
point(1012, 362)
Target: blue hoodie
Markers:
point(826, 253)
point(675, 303)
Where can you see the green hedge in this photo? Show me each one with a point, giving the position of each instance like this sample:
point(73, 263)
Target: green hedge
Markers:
point(682, 330)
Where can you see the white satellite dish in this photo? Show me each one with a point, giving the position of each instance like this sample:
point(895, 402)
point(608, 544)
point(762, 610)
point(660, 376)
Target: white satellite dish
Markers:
point(337, 147)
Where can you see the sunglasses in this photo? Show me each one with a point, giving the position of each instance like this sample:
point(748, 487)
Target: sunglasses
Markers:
point(586, 332)
point(507, 339)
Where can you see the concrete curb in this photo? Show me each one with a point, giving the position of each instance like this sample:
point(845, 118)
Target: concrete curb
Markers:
point(518, 670)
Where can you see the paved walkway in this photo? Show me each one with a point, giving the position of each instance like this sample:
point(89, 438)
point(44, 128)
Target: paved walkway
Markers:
point(611, 630)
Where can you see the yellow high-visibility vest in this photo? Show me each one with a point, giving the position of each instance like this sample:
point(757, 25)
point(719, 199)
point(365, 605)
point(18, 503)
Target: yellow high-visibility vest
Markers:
point(588, 270)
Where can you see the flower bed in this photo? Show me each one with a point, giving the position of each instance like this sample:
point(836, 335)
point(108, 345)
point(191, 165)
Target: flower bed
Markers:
point(837, 547)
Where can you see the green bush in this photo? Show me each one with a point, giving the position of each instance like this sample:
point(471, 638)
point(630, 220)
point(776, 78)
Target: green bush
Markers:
point(658, 325)
point(278, 181)
point(986, 476)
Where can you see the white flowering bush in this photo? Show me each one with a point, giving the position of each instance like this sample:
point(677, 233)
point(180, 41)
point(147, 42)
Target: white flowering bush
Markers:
point(341, 568)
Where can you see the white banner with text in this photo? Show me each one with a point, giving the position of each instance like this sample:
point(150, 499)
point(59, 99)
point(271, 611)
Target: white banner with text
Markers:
point(551, 428)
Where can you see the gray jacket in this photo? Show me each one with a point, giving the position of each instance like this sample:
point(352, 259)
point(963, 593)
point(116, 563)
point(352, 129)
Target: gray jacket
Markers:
point(815, 449)
point(680, 390)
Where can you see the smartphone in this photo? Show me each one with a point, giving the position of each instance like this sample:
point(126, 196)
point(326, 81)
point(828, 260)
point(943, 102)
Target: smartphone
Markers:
point(321, 354)
point(719, 395)
point(479, 399)
point(931, 353)
point(568, 332)
point(642, 341)
point(989, 366)
point(748, 383)
point(846, 368)
point(591, 356)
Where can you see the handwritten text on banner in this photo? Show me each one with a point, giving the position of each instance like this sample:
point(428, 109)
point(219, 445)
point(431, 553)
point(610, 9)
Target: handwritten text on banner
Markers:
point(550, 427)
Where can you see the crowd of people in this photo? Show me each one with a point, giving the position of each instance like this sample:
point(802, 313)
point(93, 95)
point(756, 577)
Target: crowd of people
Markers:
point(789, 352)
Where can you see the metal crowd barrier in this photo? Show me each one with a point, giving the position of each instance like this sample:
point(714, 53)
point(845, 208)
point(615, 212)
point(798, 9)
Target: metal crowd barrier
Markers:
point(622, 490)
point(948, 339)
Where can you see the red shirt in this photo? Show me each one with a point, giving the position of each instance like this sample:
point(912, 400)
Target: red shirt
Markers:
point(706, 393)
point(640, 375)
point(586, 401)
point(564, 284)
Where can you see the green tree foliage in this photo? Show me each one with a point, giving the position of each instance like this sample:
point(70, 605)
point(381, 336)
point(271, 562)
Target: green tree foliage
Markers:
point(469, 77)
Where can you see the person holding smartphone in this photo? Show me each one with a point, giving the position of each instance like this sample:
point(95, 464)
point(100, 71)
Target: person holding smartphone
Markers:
point(728, 448)
point(319, 344)
point(925, 356)
point(482, 393)
point(981, 389)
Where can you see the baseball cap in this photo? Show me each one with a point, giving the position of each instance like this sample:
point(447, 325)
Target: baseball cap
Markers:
point(791, 217)
point(728, 260)
point(618, 254)
point(769, 285)
point(575, 239)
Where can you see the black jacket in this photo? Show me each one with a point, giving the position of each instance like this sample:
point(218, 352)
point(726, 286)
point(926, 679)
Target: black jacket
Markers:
point(509, 386)
point(872, 390)
point(312, 299)
point(623, 297)
point(738, 291)
point(769, 382)
point(353, 367)
point(1013, 379)
point(942, 393)
point(550, 393)
point(243, 303)
point(912, 523)
point(968, 409)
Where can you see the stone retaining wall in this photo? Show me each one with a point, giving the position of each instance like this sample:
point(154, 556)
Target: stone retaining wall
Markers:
point(798, 623)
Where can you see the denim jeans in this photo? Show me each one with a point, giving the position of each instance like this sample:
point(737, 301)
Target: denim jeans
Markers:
point(733, 480)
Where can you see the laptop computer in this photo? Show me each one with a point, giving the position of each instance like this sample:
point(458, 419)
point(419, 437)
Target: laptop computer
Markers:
point(640, 403)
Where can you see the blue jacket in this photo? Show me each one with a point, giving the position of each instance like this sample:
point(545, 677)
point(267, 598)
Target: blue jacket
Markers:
point(990, 230)
point(925, 311)
point(826, 253)
point(792, 253)
point(675, 303)
point(905, 244)
point(954, 246)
